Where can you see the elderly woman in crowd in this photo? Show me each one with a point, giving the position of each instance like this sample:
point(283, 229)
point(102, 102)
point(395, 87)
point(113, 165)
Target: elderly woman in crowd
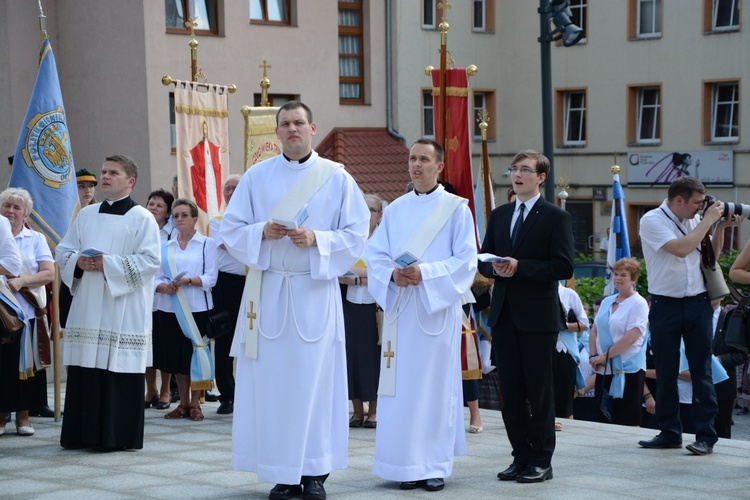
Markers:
point(189, 267)
point(160, 205)
point(362, 347)
point(17, 364)
point(617, 344)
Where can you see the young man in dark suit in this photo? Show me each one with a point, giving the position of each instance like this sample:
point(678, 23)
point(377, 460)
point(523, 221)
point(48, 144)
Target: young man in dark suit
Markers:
point(536, 239)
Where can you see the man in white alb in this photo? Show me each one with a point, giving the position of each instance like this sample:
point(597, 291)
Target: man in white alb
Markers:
point(291, 402)
point(108, 259)
point(420, 399)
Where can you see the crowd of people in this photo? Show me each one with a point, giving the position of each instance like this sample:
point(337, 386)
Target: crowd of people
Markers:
point(334, 295)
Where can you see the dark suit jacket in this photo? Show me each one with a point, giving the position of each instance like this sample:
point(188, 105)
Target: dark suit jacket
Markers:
point(545, 255)
point(730, 359)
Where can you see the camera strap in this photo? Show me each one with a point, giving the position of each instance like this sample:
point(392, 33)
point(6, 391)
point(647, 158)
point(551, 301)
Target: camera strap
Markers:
point(708, 258)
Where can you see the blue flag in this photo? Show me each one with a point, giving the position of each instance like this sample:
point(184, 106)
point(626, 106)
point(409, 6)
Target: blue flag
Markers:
point(619, 246)
point(43, 162)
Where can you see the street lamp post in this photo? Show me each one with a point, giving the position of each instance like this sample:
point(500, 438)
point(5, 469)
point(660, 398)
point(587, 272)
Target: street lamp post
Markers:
point(570, 34)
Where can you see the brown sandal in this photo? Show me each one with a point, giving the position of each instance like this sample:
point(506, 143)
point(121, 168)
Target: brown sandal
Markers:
point(196, 413)
point(179, 412)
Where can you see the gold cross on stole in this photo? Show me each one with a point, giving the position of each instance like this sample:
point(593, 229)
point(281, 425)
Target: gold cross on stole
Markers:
point(251, 315)
point(388, 354)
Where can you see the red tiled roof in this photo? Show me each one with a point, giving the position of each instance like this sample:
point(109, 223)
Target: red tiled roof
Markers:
point(377, 160)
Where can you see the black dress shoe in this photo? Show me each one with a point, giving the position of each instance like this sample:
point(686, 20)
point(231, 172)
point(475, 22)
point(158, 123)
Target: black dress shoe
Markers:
point(151, 402)
point(45, 411)
point(211, 397)
point(660, 442)
point(511, 472)
point(225, 408)
point(162, 405)
point(285, 491)
point(434, 484)
point(314, 490)
point(700, 448)
point(411, 485)
point(534, 474)
point(174, 396)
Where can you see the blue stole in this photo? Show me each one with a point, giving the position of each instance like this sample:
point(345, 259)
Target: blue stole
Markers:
point(570, 342)
point(201, 366)
point(605, 340)
point(718, 371)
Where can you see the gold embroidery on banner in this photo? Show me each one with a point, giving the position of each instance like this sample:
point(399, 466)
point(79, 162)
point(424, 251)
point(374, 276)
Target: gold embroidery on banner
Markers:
point(199, 110)
point(451, 91)
point(261, 129)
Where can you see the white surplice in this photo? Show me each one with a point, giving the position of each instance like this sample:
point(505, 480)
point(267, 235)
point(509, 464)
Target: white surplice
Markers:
point(109, 325)
point(420, 429)
point(290, 406)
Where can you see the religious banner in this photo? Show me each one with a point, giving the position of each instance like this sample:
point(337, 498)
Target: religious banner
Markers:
point(201, 121)
point(457, 147)
point(43, 161)
point(261, 142)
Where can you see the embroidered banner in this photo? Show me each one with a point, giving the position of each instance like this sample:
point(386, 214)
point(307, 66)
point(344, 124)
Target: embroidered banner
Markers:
point(43, 160)
point(458, 126)
point(202, 124)
point(261, 142)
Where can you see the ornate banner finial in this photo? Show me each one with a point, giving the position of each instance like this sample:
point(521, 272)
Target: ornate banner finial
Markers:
point(615, 168)
point(444, 6)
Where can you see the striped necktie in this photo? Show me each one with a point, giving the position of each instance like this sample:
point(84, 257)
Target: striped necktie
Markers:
point(517, 227)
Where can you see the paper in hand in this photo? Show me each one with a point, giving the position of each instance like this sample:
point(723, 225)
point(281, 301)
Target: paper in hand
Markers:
point(91, 252)
point(488, 257)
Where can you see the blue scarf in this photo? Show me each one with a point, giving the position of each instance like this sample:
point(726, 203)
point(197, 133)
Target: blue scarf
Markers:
point(619, 368)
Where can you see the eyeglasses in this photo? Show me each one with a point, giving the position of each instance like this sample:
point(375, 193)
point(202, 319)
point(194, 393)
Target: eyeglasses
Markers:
point(524, 170)
point(375, 211)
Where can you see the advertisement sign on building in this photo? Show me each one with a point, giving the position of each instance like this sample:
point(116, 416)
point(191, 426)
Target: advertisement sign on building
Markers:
point(713, 168)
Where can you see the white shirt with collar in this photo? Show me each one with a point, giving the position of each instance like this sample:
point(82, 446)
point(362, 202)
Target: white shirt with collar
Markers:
point(669, 275)
point(529, 204)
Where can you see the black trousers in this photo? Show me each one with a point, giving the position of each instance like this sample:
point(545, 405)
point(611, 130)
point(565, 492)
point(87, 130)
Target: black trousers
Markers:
point(227, 297)
point(525, 364)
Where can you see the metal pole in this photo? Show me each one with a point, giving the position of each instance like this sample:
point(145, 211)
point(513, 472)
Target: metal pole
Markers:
point(547, 132)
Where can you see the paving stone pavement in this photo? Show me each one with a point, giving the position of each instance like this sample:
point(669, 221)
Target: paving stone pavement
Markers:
point(184, 459)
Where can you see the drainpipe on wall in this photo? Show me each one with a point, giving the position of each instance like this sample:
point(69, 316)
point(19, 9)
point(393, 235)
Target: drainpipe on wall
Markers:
point(388, 73)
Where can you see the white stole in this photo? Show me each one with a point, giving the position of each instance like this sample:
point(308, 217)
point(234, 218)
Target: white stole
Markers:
point(420, 240)
point(287, 208)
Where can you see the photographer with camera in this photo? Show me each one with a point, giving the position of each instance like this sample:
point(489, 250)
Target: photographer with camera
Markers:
point(680, 308)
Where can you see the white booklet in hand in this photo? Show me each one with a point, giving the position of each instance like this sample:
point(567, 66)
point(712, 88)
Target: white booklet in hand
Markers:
point(488, 257)
point(292, 224)
point(406, 259)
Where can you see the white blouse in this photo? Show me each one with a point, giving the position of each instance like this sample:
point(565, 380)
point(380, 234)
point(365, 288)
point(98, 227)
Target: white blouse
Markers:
point(192, 261)
point(34, 248)
point(631, 313)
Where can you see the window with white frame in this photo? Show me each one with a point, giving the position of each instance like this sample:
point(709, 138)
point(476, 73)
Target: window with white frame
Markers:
point(351, 52)
point(428, 114)
point(725, 112)
point(649, 18)
point(429, 14)
point(579, 8)
point(574, 123)
point(726, 15)
point(648, 128)
point(479, 15)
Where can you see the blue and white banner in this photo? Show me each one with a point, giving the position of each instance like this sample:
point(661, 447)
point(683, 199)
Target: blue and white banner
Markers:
point(619, 246)
point(43, 161)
